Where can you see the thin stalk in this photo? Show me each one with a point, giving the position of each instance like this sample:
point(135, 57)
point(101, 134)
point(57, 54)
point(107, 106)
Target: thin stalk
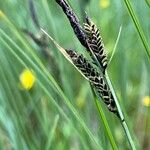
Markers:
point(103, 118)
point(114, 49)
point(138, 27)
point(52, 133)
point(122, 119)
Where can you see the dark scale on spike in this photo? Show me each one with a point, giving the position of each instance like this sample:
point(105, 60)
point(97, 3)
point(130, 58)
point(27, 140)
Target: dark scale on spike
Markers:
point(95, 79)
point(95, 43)
point(74, 21)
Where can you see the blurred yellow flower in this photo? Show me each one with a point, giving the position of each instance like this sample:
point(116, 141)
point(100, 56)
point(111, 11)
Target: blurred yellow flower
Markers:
point(104, 3)
point(27, 79)
point(80, 102)
point(1, 14)
point(146, 101)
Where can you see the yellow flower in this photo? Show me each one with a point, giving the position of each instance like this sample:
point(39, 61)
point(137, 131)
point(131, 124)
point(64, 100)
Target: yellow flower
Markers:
point(80, 102)
point(104, 3)
point(1, 14)
point(27, 79)
point(146, 101)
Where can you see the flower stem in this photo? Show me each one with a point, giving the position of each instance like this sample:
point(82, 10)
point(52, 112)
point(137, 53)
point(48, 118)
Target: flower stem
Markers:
point(122, 119)
point(103, 118)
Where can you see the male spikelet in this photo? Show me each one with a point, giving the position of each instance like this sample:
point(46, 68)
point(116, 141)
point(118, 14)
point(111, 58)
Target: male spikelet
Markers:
point(74, 21)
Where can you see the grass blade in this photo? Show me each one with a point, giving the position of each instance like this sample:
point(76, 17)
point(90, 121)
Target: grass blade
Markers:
point(52, 132)
point(103, 118)
point(123, 121)
point(138, 27)
point(114, 49)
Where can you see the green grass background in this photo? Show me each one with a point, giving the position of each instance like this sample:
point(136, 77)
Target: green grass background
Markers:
point(59, 111)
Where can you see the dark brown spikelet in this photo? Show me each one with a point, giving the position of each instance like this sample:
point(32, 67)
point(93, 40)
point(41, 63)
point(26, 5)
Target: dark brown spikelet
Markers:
point(95, 42)
point(95, 79)
point(74, 21)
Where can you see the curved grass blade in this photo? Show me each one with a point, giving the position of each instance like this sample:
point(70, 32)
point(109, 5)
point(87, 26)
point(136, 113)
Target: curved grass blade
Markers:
point(52, 132)
point(138, 27)
point(114, 49)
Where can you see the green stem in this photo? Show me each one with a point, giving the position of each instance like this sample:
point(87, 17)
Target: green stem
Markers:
point(103, 118)
point(138, 27)
point(123, 122)
point(126, 129)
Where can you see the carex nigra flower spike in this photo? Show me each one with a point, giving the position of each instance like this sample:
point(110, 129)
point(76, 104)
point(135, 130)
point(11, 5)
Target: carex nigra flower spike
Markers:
point(95, 43)
point(74, 21)
point(95, 79)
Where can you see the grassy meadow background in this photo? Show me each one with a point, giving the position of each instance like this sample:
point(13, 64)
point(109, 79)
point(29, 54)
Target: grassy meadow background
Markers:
point(57, 111)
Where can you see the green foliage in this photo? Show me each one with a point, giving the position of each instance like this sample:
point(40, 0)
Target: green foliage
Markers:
point(148, 2)
point(59, 111)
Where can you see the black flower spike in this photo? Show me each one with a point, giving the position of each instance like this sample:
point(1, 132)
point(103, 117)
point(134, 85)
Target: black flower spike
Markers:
point(95, 79)
point(89, 37)
point(74, 21)
point(95, 43)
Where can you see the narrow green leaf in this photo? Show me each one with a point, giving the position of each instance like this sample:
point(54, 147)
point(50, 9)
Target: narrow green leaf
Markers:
point(148, 2)
point(138, 27)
